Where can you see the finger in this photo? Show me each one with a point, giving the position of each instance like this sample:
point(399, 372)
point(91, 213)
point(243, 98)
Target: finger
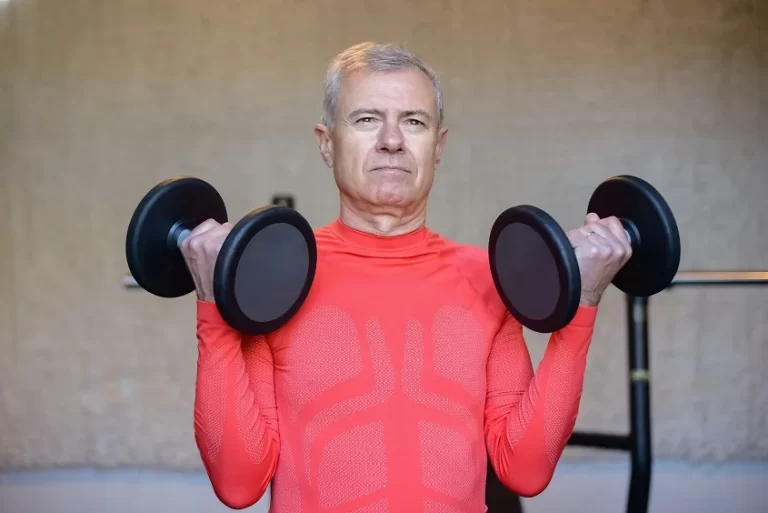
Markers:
point(210, 239)
point(588, 242)
point(617, 249)
point(604, 233)
point(196, 237)
point(203, 227)
point(577, 237)
point(591, 218)
point(594, 246)
point(615, 226)
point(194, 242)
point(214, 242)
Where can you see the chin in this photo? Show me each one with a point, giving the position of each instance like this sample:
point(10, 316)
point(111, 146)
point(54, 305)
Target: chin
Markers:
point(392, 196)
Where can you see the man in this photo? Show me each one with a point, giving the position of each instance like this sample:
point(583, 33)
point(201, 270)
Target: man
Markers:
point(402, 372)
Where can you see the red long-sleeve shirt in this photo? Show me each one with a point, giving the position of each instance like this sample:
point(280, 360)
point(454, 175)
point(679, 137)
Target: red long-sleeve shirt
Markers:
point(387, 392)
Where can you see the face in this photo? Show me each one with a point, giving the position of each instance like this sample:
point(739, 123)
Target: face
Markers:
point(386, 144)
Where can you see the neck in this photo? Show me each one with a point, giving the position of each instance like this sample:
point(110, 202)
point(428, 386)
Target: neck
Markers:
point(382, 221)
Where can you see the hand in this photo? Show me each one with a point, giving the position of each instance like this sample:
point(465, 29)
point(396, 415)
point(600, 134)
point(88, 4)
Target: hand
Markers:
point(200, 250)
point(602, 249)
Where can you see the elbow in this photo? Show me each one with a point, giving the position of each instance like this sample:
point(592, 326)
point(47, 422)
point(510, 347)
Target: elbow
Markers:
point(532, 488)
point(239, 498)
point(527, 485)
point(238, 486)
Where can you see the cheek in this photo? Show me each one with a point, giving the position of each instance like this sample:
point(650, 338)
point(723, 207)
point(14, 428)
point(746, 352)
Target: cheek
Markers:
point(425, 155)
point(354, 152)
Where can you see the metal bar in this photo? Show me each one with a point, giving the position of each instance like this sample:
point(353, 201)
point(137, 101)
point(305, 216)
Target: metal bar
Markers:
point(601, 441)
point(639, 405)
point(720, 278)
point(129, 282)
point(682, 278)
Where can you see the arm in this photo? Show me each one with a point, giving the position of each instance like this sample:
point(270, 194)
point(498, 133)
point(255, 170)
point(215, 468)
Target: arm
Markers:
point(235, 416)
point(529, 417)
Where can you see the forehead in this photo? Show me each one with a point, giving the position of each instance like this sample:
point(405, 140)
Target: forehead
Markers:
point(409, 89)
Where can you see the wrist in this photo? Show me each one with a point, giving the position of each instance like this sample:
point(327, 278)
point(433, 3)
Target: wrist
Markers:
point(205, 296)
point(207, 311)
point(585, 317)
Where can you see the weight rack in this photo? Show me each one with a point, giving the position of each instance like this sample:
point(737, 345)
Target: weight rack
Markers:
point(638, 441)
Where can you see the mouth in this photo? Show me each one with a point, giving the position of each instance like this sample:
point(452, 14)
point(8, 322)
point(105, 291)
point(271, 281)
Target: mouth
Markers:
point(392, 169)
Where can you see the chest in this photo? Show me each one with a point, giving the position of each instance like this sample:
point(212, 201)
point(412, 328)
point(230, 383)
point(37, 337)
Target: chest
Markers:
point(380, 334)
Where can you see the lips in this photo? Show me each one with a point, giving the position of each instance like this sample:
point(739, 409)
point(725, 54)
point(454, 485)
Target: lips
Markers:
point(391, 168)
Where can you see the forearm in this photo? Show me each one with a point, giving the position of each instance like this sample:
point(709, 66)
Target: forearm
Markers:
point(528, 430)
point(235, 420)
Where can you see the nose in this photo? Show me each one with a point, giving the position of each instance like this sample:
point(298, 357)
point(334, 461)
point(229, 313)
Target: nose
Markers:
point(391, 138)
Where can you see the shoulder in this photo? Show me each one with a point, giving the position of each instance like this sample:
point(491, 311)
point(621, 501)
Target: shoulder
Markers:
point(470, 259)
point(473, 264)
point(324, 235)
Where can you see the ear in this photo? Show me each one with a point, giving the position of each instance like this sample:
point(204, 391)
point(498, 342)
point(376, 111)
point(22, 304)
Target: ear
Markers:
point(441, 136)
point(325, 143)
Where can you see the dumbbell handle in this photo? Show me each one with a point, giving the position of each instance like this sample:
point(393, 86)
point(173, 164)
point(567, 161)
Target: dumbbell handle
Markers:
point(632, 233)
point(178, 233)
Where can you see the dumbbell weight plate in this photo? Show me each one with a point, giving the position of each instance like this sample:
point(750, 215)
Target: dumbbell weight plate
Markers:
point(534, 268)
point(656, 255)
point(154, 260)
point(265, 269)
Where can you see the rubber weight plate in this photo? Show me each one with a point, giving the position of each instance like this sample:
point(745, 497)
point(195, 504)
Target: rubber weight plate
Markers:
point(534, 268)
point(154, 259)
point(265, 269)
point(645, 214)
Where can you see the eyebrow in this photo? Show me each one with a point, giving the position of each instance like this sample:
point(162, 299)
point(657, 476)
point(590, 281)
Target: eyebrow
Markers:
point(379, 112)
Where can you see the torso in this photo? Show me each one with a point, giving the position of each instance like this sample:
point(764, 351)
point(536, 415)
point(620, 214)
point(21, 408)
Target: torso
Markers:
point(380, 379)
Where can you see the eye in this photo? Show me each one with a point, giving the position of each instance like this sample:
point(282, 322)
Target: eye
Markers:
point(365, 120)
point(415, 122)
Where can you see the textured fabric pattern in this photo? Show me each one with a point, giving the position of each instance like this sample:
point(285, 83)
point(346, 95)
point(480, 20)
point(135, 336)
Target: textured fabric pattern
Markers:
point(389, 390)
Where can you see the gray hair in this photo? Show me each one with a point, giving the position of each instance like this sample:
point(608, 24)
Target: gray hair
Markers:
point(373, 58)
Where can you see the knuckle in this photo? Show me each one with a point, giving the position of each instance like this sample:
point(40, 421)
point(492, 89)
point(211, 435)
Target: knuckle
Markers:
point(195, 243)
point(203, 227)
point(210, 245)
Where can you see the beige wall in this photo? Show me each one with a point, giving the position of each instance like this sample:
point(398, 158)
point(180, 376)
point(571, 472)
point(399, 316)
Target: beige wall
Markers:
point(544, 99)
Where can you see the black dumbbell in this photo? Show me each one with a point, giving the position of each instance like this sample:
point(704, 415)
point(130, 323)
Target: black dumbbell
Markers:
point(263, 272)
point(534, 266)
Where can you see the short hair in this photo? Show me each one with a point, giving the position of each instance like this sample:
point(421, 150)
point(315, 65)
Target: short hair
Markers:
point(372, 58)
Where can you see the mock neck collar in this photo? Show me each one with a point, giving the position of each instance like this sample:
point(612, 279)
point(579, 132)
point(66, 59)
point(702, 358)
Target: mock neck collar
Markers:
point(379, 243)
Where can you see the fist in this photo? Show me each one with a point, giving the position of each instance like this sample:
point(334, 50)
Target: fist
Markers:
point(200, 250)
point(602, 249)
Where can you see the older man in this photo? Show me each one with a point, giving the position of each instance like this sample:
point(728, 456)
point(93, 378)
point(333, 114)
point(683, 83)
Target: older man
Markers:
point(402, 373)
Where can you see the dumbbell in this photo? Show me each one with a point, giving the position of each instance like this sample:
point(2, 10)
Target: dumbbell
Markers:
point(263, 272)
point(534, 266)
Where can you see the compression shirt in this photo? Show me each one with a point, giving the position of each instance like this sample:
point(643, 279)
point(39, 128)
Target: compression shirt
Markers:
point(388, 391)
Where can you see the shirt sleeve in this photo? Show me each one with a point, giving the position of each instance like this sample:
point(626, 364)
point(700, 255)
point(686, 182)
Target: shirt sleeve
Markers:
point(529, 416)
point(235, 415)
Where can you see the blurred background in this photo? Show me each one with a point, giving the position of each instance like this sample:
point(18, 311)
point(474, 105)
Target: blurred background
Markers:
point(101, 100)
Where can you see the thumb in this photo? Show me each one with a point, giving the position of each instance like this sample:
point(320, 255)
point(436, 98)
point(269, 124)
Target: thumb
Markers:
point(591, 218)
